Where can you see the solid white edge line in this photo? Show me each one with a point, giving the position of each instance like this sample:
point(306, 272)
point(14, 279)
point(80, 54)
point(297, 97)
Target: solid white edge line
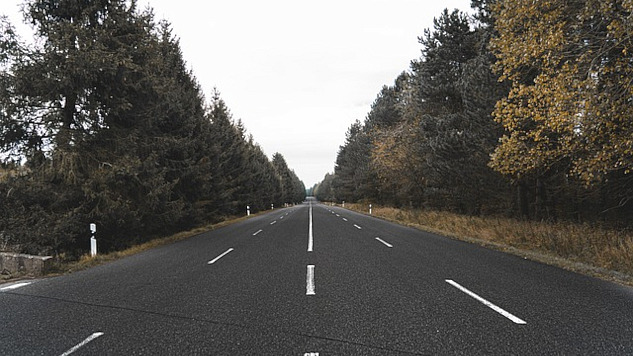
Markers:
point(15, 286)
point(310, 234)
point(255, 234)
point(310, 280)
point(486, 303)
point(384, 242)
point(222, 255)
point(82, 344)
point(358, 227)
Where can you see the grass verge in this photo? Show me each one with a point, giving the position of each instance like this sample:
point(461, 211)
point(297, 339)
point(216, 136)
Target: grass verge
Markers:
point(61, 266)
point(599, 252)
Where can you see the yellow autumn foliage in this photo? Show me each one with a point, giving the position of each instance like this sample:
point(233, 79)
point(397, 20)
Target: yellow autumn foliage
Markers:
point(393, 161)
point(572, 97)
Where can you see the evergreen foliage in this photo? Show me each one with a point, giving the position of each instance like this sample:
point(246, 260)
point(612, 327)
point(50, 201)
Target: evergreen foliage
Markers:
point(523, 108)
point(101, 121)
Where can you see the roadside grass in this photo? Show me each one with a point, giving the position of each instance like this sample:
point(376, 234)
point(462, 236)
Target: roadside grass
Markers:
point(61, 266)
point(599, 252)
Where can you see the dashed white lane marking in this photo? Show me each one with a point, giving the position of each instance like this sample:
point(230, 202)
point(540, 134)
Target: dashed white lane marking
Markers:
point(486, 303)
point(384, 242)
point(83, 343)
point(311, 354)
point(273, 223)
point(222, 255)
point(344, 219)
point(338, 216)
point(14, 286)
point(310, 280)
point(310, 235)
point(255, 234)
point(358, 227)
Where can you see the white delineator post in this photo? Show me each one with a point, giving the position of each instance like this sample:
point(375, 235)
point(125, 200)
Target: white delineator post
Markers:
point(272, 206)
point(93, 240)
point(343, 203)
point(369, 209)
point(248, 210)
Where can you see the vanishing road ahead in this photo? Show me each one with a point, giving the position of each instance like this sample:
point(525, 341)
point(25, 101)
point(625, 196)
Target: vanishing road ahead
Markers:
point(315, 280)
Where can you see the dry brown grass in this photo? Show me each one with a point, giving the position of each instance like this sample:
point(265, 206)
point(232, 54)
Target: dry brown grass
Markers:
point(582, 248)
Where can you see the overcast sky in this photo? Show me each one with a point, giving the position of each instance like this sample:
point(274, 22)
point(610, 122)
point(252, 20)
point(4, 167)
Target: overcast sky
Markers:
point(297, 73)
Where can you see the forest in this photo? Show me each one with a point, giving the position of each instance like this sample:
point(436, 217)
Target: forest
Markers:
point(520, 109)
point(102, 122)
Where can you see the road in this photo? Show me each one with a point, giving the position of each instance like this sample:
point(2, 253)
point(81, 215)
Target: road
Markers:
point(316, 280)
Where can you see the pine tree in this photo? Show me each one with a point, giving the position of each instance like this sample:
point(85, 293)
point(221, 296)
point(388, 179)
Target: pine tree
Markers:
point(231, 159)
point(445, 134)
point(353, 178)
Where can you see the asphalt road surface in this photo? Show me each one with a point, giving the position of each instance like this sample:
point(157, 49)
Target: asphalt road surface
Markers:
point(315, 280)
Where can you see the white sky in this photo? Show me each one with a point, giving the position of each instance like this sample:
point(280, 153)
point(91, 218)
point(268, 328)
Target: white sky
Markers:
point(298, 73)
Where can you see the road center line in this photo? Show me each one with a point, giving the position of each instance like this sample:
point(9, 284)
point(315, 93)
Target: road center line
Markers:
point(273, 223)
point(384, 242)
point(222, 255)
point(310, 280)
point(255, 234)
point(310, 236)
point(358, 227)
point(15, 286)
point(83, 343)
point(486, 303)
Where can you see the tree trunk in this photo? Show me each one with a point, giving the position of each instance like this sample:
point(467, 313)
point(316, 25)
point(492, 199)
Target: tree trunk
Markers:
point(541, 200)
point(522, 200)
point(64, 137)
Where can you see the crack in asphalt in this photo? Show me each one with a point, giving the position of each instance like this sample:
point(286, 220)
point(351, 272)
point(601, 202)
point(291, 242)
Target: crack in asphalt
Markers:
point(265, 328)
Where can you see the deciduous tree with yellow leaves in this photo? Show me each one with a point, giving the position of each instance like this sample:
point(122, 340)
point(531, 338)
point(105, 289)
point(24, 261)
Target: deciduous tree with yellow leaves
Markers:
point(570, 109)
